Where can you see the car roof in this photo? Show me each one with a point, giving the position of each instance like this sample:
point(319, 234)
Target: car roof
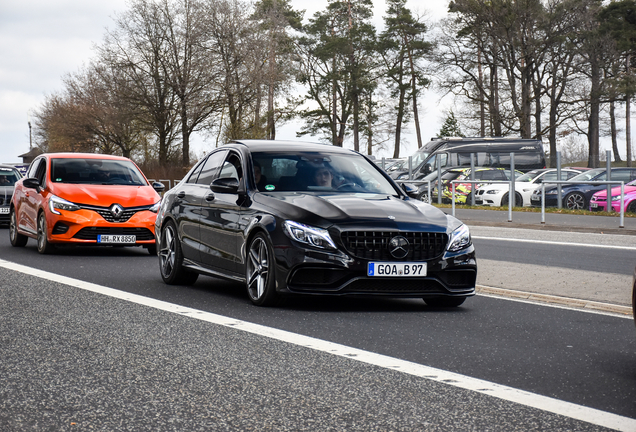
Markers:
point(83, 156)
point(9, 167)
point(274, 145)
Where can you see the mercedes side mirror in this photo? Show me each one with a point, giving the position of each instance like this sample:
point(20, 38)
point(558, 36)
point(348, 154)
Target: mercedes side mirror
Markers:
point(225, 185)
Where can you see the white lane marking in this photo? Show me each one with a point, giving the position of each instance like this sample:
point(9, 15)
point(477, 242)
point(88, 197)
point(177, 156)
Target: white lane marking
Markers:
point(540, 302)
point(632, 248)
point(556, 406)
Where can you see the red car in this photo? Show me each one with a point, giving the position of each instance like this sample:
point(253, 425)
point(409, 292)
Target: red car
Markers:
point(84, 199)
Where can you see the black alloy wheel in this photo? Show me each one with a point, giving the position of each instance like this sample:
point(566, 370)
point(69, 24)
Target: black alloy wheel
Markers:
point(574, 201)
point(444, 301)
point(44, 247)
point(260, 272)
point(17, 239)
point(171, 258)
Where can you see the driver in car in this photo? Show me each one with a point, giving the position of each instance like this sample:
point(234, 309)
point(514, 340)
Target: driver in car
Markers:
point(323, 177)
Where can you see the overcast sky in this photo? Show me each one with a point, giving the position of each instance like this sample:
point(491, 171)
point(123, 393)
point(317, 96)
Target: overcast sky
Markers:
point(42, 40)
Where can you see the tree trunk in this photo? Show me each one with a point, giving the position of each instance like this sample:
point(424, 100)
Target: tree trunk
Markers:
point(593, 126)
point(398, 125)
point(482, 105)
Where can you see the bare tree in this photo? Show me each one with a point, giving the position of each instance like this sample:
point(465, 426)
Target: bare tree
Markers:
point(237, 47)
point(193, 77)
point(137, 49)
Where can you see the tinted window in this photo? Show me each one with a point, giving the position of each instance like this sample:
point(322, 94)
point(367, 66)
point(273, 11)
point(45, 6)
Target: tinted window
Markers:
point(96, 171)
point(307, 171)
point(192, 178)
point(211, 167)
point(622, 175)
point(34, 167)
point(231, 167)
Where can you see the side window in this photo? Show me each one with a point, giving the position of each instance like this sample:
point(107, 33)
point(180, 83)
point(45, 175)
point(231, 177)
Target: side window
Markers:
point(551, 176)
point(195, 173)
point(570, 174)
point(622, 175)
point(232, 167)
point(211, 167)
point(443, 159)
point(31, 173)
point(40, 173)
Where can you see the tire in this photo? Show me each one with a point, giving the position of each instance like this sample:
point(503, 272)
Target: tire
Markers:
point(260, 278)
point(17, 239)
point(518, 200)
point(575, 201)
point(44, 247)
point(631, 208)
point(444, 301)
point(423, 196)
point(171, 258)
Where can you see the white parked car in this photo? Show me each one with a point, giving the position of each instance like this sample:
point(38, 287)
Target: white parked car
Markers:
point(496, 194)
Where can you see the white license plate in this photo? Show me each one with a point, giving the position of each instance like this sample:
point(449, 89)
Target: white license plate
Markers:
point(388, 269)
point(594, 205)
point(116, 239)
point(4, 210)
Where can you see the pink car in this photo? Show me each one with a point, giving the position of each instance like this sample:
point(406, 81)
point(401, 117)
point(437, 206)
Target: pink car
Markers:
point(599, 199)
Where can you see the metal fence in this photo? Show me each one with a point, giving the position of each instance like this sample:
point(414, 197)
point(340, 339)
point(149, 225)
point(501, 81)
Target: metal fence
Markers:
point(512, 188)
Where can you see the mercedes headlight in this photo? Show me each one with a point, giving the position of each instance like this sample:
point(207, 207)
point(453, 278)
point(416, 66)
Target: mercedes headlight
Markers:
point(56, 203)
point(459, 239)
point(312, 236)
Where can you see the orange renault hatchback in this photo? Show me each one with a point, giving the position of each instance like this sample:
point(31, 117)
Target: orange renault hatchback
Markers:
point(84, 199)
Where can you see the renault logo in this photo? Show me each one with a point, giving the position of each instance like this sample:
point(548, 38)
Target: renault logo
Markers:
point(116, 210)
point(399, 247)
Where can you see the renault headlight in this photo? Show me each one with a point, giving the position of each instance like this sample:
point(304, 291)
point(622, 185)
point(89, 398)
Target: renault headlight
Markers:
point(56, 203)
point(312, 236)
point(155, 207)
point(459, 239)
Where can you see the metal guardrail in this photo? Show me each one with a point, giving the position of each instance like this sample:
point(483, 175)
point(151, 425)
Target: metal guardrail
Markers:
point(513, 188)
point(557, 182)
point(621, 223)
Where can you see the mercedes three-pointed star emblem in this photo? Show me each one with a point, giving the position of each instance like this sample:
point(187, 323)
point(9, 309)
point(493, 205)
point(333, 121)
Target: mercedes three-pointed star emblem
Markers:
point(399, 247)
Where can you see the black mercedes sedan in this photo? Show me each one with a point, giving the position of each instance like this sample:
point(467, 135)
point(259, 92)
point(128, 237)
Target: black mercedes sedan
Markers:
point(303, 218)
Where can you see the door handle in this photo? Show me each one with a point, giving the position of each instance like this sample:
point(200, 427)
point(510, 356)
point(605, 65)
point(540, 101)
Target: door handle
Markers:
point(209, 197)
point(181, 194)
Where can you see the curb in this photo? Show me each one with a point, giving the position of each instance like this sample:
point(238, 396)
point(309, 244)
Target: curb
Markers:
point(564, 301)
point(618, 231)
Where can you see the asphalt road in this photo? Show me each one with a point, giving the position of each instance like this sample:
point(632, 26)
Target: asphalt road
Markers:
point(72, 358)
